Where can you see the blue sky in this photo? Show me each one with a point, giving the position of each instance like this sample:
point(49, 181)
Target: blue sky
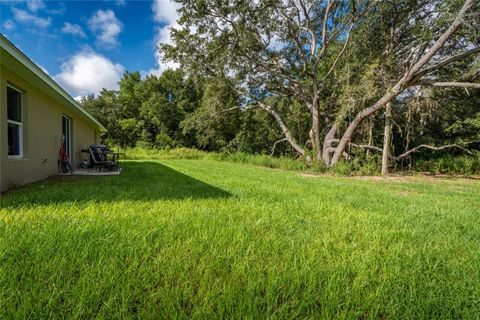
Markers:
point(87, 45)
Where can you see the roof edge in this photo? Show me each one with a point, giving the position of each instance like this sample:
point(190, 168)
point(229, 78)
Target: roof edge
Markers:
point(32, 66)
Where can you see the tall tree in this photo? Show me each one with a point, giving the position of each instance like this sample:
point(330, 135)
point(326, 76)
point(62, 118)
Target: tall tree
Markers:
point(420, 68)
point(213, 123)
point(299, 52)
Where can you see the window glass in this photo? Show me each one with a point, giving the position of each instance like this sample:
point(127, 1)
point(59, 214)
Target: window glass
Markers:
point(14, 121)
point(14, 105)
point(13, 139)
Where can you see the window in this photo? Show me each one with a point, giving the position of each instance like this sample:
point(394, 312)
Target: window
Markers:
point(67, 135)
point(14, 122)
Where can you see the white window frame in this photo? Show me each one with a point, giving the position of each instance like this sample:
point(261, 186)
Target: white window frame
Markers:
point(19, 124)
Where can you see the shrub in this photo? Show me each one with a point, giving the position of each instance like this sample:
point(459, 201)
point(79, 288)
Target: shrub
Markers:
point(343, 168)
point(138, 153)
point(448, 164)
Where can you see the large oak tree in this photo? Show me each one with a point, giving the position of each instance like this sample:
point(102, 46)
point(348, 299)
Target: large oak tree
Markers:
point(295, 49)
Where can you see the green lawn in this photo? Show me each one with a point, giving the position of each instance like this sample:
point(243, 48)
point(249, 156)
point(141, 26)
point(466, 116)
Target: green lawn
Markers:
point(205, 239)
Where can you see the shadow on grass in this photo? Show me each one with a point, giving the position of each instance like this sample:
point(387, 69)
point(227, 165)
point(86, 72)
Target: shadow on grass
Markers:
point(139, 181)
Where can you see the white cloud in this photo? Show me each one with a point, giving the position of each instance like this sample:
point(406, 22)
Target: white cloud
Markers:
point(164, 12)
point(73, 29)
point(88, 72)
point(8, 25)
point(106, 28)
point(34, 5)
point(26, 17)
point(162, 36)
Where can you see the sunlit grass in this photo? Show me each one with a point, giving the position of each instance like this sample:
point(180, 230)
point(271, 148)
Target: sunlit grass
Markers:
point(205, 239)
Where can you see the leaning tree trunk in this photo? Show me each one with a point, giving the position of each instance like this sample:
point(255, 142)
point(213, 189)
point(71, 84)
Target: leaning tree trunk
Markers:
point(327, 144)
point(347, 136)
point(387, 138)
point(407, 80)
point(286, 132)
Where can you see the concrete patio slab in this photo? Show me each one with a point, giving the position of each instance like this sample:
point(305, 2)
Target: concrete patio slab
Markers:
point(92, 172)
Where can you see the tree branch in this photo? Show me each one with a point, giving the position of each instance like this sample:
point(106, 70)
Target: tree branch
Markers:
point(426, 146)
point(447, 61)
point(239, 107)
point(285, 131)
point(275, 144)
point(405, 154)
point(452, 84)
point(340, 54)
point(284, 128)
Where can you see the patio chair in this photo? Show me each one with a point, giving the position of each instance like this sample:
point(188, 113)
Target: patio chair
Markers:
point(98, 158)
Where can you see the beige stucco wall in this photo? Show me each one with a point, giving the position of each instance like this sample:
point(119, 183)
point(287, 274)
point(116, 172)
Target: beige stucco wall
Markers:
point(42, 129)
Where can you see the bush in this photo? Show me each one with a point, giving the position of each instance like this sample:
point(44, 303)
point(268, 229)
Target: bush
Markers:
point(343, 168)
point(448, 164)
point(260, 160)
point(164, 141)
point(176, 153)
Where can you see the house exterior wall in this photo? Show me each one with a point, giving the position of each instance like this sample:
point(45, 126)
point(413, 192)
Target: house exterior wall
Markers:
point(42, 130)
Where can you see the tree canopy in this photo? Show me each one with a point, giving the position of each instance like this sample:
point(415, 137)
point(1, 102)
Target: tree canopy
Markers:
point(322, 80)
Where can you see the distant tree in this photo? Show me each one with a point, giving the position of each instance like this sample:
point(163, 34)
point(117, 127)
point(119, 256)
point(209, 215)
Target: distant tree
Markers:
point(166, 100)
point(130, 98)
point(106, 108)
point(216, 121)
point(258, 133)
point(127, 133)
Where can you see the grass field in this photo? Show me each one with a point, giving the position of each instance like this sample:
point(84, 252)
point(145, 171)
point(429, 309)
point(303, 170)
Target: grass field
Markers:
point(204, 239)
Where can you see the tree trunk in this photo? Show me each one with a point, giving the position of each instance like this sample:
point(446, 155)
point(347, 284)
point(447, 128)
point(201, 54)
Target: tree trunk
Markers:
point(347, 136)
point(315, 135)
point(286, 132)
point(370, 135)
point(386, 138)
point(327, 144)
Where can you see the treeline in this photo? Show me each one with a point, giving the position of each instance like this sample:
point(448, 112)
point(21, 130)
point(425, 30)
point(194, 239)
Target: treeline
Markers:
point(363, 82)
point(173, 110)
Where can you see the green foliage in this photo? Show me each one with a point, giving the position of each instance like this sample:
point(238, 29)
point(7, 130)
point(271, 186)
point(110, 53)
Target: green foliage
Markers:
point(212, 240)
point(467, 128)
point(128, 131)
point(214, 101)
point(343, 168)
point(448, 164)
point(215, 123)
point(164, 141)
point(361, 164)
point(257, 133)
point(146, 110)
point(129, 94)
point(139, 153)
point(106, 109)
point(263, 160)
